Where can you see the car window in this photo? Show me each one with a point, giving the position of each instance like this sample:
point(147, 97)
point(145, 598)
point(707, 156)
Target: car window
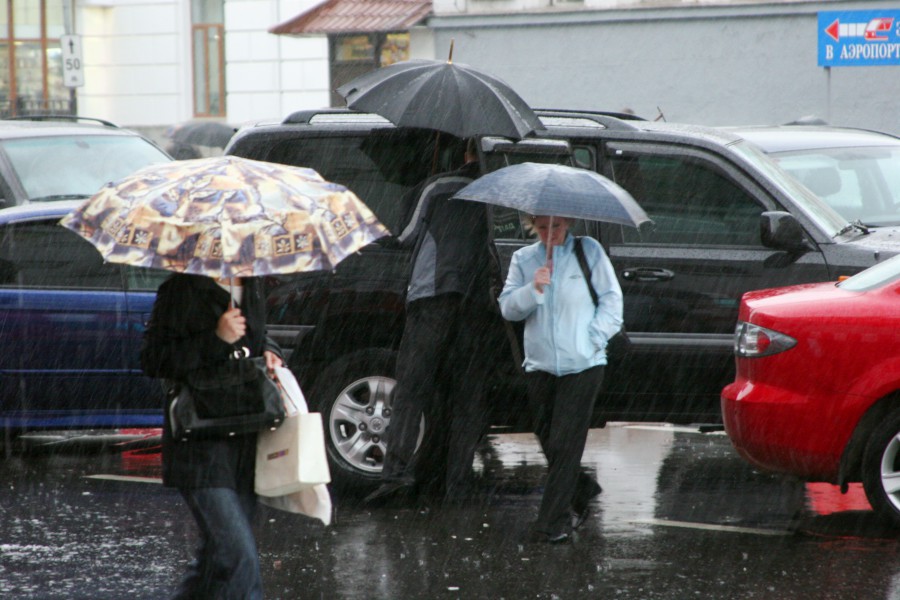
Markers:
point(50, 168)
point(873, 277)
point(139, 279)
point(828, 219)
point(382, 169)
point(689, 201)
point(510, 224)
point(45, 255)
point(861, 183)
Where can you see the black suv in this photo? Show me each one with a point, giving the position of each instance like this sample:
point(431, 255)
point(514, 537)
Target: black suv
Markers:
point(727, 219)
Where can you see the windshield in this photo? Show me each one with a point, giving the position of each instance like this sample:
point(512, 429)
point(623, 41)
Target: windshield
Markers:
point(861, 183)
point(875, 276)
point(53, 168)
point(827, 218)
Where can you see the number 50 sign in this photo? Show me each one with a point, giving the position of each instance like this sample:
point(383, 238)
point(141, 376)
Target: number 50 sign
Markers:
point(72, 63)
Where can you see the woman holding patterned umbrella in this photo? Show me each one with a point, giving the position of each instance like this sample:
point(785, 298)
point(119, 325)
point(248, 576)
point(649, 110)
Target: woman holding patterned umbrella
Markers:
point(197, 323)
point(220, 224)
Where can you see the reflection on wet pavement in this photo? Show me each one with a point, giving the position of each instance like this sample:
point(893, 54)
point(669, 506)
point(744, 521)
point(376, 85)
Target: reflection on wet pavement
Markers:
point(681, 516)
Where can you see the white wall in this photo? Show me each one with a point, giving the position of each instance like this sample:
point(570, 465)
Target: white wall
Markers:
point(746, 63)
point(455, 7)
point(269, 76)
point(134, 63)
point(138, 66)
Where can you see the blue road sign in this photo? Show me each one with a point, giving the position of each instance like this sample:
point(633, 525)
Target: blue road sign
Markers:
point(859, 38)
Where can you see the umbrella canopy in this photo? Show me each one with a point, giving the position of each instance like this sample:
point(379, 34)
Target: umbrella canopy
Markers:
point(203, 133)
point(226, 217)
point(556, 190)
point(445, 96)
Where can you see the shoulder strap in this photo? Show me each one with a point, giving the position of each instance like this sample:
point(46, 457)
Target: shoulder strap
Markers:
point(586, 270)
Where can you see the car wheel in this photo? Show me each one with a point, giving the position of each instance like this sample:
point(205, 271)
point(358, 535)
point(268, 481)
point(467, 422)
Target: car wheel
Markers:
point(881, 468)
point(354, 396)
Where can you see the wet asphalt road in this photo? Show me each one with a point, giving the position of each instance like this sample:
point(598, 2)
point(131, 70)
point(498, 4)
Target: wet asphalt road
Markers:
point(681, 516)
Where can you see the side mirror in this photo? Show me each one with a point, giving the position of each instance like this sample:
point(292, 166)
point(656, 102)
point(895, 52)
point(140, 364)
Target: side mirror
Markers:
point(780, 230)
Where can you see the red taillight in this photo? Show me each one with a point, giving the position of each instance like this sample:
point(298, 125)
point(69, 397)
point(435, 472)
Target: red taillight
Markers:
point(753, 341)
point(762, 342)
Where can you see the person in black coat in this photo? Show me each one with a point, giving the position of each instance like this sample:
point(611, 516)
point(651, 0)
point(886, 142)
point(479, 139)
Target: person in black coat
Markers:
point(193, 326)
point(442, 362)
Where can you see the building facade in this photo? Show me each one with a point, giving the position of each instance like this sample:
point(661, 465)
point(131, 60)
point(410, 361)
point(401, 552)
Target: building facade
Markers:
point(707, 62)
point(153, 63)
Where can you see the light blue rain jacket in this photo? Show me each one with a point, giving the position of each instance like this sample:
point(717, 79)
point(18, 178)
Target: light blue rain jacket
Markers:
point(564, 332)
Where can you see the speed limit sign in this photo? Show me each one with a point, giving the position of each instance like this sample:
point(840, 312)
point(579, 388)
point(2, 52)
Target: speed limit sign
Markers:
point(72, 63)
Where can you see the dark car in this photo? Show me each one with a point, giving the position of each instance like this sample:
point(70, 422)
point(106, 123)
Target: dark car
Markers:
point(44, 159)
point(71, 327)
point(727, 220)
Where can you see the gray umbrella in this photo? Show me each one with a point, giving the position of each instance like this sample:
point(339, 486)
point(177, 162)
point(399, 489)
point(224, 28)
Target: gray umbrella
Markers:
point(444, 96)
point(558, 191)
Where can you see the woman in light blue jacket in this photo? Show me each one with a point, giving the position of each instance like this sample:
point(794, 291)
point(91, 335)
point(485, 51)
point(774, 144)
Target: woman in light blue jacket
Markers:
point(565, 342)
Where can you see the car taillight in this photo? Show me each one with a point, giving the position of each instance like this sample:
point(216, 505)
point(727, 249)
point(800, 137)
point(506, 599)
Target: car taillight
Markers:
point(753, 341)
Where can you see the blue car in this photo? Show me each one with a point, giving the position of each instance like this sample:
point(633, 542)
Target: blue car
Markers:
point(71, 327)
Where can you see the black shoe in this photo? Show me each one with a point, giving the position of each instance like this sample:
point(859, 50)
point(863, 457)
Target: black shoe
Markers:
point(557, 538)
point(537, 535)
point(581, 504)
point(389, 488)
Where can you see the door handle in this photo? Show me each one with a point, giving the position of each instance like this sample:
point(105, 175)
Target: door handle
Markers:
point(647, 274)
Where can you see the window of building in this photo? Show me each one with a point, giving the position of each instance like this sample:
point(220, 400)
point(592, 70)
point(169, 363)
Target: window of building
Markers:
point(358, 54)
point(31, 70)
point(208, 42)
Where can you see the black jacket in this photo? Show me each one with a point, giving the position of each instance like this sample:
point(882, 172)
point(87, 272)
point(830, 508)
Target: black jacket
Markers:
point(452, 253)
point(181, 337)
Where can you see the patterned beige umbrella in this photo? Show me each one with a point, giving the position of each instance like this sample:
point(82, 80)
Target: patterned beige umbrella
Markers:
point(226, 217)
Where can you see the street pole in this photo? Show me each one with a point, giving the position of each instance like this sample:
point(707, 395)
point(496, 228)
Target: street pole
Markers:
point(69, 30)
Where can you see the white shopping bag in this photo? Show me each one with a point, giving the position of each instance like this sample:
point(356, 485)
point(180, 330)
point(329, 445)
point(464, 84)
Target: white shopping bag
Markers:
point(313, 502)
point(292, 457)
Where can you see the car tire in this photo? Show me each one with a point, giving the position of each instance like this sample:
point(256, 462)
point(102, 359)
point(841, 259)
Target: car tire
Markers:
point(354, 396)
point(881, 468)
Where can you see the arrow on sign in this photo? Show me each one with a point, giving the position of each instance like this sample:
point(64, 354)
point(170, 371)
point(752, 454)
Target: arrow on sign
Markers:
point(834, 30)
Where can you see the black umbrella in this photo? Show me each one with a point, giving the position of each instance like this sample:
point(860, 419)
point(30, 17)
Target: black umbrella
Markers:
point(203, 133)
point(444, 96)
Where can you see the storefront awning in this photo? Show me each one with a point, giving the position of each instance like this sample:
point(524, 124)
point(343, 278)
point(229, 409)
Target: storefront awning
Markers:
point(357, 16)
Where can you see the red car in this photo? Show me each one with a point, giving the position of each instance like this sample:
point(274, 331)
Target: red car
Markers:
point(817, 390)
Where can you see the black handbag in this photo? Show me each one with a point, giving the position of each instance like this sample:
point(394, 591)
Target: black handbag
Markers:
point(234, 398)
point(619, 344)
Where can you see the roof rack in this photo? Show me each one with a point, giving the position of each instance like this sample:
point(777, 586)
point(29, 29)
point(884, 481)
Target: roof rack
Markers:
point(563, 117)
point(549, 116)
point(333, 115)
point(71, 118)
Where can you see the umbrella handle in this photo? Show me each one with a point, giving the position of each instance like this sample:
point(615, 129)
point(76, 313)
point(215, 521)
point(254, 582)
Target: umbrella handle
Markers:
point(549, 243)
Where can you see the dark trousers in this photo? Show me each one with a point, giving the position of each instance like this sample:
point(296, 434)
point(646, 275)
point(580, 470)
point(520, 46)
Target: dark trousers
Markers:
point(562, 407)
point(441, 370)
point(227, 563)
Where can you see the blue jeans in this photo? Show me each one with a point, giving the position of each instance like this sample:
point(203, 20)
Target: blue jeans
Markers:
point(227, 563)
